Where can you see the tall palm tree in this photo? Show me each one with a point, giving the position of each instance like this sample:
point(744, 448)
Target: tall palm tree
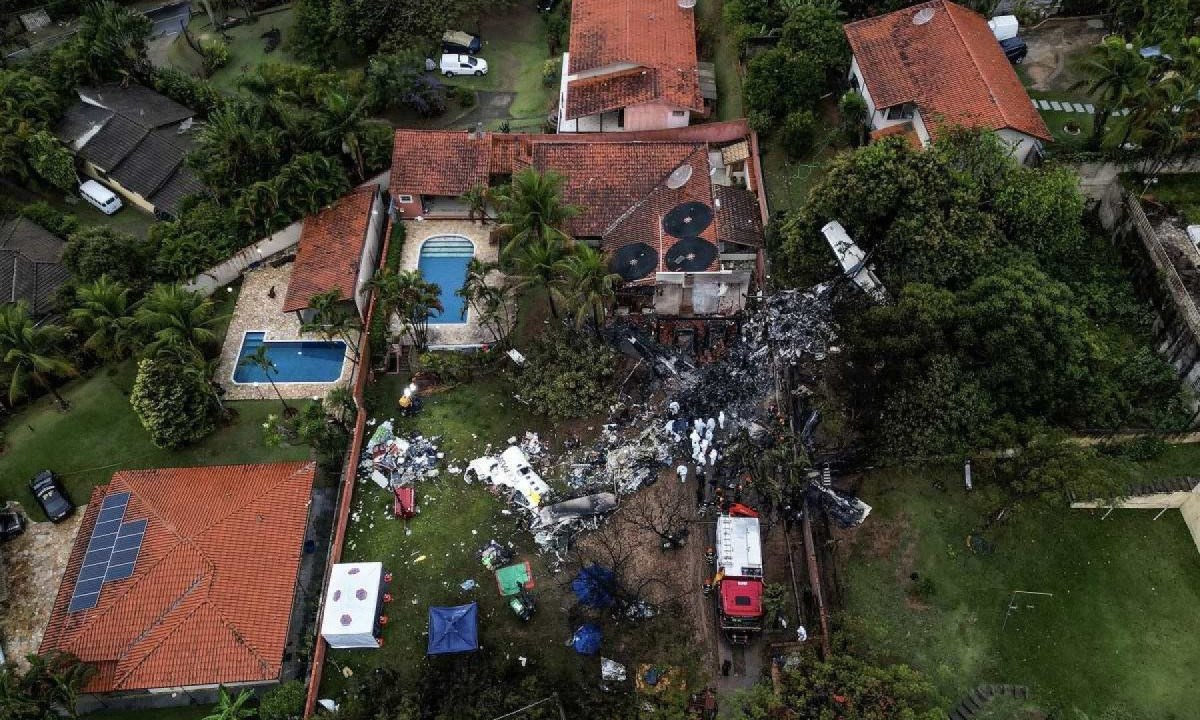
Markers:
point(340, 119)
point(588, 285)
point(261, 360)
point(237, 145)
point(54, 681)
point(490, 293)
point(1113, 75)
point(537, 266)
point(229, 707)
point(532, 210)
point(408, 298)
point(206, 371)
point(331, 319)
point(477, 197)
point(105, 316)
point(31, 352)
point(177, 321)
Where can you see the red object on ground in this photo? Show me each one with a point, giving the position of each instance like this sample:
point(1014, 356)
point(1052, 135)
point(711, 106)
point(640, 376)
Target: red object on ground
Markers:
point(406, 502)
point(741, 597)
point(740, 510)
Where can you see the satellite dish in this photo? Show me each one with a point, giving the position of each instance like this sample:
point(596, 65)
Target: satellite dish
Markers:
point(687, 4)
point(923, 16)
point(679, 176)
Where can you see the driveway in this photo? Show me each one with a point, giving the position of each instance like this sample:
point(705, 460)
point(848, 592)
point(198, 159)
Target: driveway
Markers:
point(1055, 47)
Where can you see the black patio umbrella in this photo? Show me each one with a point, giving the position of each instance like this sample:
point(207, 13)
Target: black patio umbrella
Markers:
point(634, 261)
point(687, 220)
point(691, 254)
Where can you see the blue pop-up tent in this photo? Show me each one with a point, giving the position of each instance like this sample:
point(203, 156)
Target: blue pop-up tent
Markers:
point(586, 639)
point(453, 629)
point(593, 586)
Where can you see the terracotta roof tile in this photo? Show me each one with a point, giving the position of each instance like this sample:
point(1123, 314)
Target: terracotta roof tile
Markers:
point(904, 130)
point(210, 597)
point(738, 219)
point(604, 93)
point(655, 34)
point(462, 160)
point(330, 249)
point(951, 67)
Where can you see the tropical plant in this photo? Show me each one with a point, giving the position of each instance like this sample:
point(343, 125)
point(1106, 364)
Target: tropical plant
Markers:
point(173, 402)
point(110, 44)
point(1113, 74)
point(333, 317)
point(31, 352)
point(490, 293)
point(97, 251)
point(177, 322)
point(283, 702)
point(49, 688)
point(476, 198)
point(239, 144)
point(214, 52)
point(587, 284)
point(409, 299)
point(340, 121)
point(29, 152)
point(531, 210)
point(105, 316)
point(261, 360)
point(536, 265)
point(567, 374)
point(229, 707)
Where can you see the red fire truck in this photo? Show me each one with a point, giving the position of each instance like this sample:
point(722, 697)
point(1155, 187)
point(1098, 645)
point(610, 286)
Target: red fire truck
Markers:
point(739, 578)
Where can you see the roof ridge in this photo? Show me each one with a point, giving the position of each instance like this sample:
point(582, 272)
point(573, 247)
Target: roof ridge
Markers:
point(987, 82)
point(646, 197)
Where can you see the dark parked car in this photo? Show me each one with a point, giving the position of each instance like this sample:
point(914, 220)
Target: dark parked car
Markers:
point(545, 6)
point(457, 42)
point(11, 524)
point(51, 496)
point(1015, 50)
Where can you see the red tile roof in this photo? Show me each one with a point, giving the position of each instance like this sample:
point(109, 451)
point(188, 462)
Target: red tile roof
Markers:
point(904, 130)
point(605, 93)
point(330, 250)
point(461, 161)
point(951, 67)
point(211, 594)
point(657, 35)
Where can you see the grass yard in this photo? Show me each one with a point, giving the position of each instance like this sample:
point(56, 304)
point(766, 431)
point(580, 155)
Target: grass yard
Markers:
point(788, 183)
point(100, 434)
point(246, 49)
point(1125, 590)
point(128, 220)
point(724, 56)
point(1181, 193)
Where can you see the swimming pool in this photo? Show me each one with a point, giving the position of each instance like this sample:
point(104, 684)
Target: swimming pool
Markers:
point(300, 361)
point(444, 260)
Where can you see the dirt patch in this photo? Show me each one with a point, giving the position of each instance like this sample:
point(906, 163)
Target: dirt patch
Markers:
point(34, 563)
point(1054, 48)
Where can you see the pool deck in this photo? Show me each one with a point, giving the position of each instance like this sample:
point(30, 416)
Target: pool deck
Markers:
point(257, 311)
point(470, 333)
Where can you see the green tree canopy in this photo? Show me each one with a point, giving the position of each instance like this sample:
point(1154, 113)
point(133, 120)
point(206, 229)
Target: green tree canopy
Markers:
point(174, 406)
point(97, 251)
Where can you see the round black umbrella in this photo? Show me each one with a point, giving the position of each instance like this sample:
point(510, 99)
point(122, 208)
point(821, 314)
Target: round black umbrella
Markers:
point(691, 254)
point(634, 262)
point(687, 220)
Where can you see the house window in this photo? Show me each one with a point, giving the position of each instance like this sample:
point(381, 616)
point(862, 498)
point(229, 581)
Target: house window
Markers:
point(901, 112)
point(621, 118)
point(404, 198)
point(678, 113)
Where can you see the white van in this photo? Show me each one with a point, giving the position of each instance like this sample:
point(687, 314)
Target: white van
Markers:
point(452, 65)
point(100, 197)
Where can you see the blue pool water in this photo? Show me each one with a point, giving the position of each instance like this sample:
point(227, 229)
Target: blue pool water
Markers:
point(297, 362)
point(444, 261)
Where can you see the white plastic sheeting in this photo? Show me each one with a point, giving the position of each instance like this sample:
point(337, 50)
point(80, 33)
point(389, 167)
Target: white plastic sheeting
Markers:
point(351, 602)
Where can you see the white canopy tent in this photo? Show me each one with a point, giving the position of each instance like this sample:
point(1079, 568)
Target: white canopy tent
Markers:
point(351, 603)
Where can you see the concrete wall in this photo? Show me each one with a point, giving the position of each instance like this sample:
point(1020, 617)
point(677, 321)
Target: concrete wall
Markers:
point(655, 116)
point(370, 256)
point(1188, 504)
point(223, 274)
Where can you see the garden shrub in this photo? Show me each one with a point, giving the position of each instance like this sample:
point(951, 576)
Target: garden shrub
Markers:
point(567, 374)
point(449, 367)
point(551, 69)
point(176, 407)
point(797, 134)
point(214, 53)
point(95, 251)
point(853, 109)
point(283, 702)
point(466, 96)
point(43, 214)
point(192, 92)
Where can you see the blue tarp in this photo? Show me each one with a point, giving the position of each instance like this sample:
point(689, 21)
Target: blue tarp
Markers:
point(593, 586)
point(586, 639)
point(453, 629)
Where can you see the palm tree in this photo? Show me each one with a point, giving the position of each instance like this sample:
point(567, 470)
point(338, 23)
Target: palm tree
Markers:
point(104, 315)
point(532, 210)
point(261, 360)
point(407, 297)
point(111, 39)
point(588, 285)
point(206, 370)
point(537, 266)
point(54, 681)
point(332, 320)
point(232, 708)
point(476, 199)
point(340, 121)
point(492, 301)
point(237, 145)
point(177, 321)
point(31, 352)
point(1114, 74)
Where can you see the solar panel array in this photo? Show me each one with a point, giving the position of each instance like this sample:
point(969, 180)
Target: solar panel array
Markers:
point(111, 552)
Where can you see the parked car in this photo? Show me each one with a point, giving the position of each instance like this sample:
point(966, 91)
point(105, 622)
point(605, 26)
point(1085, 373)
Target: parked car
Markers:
point(51, 496)
point(11, 524)
point(545, 6)
point(457, 41)
point(452, 65)
point(1015, 50)
point(100, 197)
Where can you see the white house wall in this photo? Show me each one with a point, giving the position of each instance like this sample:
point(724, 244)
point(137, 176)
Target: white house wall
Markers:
point(370, 255)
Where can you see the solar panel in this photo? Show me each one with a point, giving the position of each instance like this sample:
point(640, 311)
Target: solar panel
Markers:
point(99, 553)
point(125, 551)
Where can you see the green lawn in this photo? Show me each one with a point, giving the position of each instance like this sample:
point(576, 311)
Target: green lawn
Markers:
point(1126, 591)
point(127, 220)
point(246, 49)
point(1181, 193)
point(724, 56)
point(100, 434)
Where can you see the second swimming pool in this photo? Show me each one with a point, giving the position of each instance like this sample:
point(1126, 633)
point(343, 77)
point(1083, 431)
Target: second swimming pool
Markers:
point(301, 361)
point(444, 260)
